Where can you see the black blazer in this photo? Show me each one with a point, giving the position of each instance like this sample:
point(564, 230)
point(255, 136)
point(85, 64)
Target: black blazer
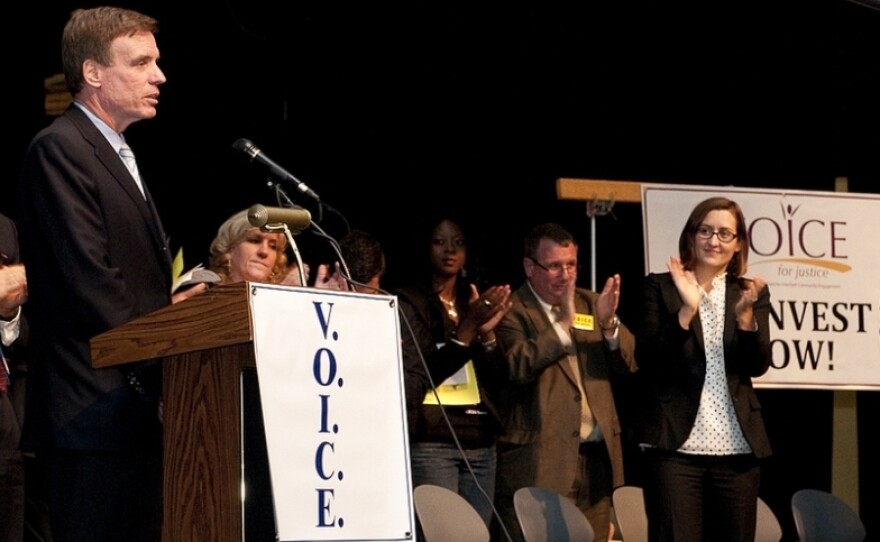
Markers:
point(9, 254)
point(430, 326)
point(672, 362)
point(8, 241)
point(96, 257)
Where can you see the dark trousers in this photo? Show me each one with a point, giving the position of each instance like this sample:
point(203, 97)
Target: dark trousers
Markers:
point(591, 490)
point(694, 498)
point(105, 496)
point(23, 510)
point(11, 470)
point(37, 527)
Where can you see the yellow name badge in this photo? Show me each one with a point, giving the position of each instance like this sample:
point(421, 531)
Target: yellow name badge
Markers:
point(459, 389)
point(583, 322)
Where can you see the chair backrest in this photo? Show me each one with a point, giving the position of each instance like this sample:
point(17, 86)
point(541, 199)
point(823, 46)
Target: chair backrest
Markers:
point(820, 516)
point(767, 527)
point(445, 515)
point(629, 507)
point(547, 516)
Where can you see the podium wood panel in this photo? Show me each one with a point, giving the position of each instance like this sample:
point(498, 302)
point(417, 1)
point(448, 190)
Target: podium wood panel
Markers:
point(202, 485)
point(217, 317)
point(204, 343)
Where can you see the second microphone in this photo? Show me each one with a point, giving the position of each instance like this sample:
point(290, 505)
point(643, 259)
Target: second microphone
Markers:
point(261, 216)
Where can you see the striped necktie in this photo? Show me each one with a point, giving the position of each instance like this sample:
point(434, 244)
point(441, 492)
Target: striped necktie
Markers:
point(127, 156)
point(5, 379)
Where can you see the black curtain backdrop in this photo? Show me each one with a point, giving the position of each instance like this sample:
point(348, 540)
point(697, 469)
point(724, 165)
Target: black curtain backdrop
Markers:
point(389, 112)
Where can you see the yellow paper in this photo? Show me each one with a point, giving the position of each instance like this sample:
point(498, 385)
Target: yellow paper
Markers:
point(177, 265)
point(459, 389)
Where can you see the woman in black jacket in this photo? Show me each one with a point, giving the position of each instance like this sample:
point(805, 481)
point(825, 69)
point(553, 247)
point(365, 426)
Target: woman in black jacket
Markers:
point(704, 337)
point(452, 331)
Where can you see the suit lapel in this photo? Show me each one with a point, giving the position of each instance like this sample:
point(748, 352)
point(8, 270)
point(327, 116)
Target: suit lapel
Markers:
point(534, 310)
point(731, 297)
point(541, 322)
point(117, 169)
point(156, 227)
point(581, 306)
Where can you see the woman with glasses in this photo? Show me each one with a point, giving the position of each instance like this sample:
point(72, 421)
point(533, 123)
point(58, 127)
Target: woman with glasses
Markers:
point(452, 326)
point(705, 335)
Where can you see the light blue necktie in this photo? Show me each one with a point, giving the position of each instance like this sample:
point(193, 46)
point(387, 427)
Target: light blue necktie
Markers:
point(127, 156)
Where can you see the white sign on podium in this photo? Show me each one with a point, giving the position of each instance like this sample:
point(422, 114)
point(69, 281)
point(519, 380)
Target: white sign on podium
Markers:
point(332, 392)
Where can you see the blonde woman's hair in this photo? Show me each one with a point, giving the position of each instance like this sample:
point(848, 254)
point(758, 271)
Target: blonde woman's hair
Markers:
point(229, 235)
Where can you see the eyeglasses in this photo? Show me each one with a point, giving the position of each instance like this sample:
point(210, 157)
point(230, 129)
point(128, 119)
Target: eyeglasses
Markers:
point(557, 268)
point(724, 235)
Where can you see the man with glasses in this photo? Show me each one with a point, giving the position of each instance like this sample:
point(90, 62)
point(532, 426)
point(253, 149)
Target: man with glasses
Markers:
point(560, 342)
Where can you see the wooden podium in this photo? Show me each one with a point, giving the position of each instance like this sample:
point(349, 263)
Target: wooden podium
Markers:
point(204, 343)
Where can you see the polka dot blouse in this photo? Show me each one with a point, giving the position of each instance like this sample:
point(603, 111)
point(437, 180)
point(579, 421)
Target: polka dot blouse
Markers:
point(716, 430)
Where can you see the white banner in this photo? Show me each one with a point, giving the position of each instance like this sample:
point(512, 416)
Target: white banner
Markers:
point(820, 256)
point(331, 386)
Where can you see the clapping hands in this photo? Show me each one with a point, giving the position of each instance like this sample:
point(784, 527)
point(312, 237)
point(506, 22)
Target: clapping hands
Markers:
point(484, 313)
point(13, 290)
point(751, 289)
point(686, 282)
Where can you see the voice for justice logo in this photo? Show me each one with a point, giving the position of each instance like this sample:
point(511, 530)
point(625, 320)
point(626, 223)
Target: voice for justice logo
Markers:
point(802, 249)
point(806, 252)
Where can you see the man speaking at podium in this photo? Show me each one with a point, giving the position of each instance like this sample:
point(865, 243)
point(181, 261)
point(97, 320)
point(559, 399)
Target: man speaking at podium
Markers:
point(97, 257)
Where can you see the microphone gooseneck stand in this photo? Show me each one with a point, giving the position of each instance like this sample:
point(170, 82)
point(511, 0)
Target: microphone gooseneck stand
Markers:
point(275, 228)
point(284, 201)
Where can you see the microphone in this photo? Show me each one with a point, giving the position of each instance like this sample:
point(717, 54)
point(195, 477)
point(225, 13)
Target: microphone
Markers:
point(254, 152)
point(296, 219)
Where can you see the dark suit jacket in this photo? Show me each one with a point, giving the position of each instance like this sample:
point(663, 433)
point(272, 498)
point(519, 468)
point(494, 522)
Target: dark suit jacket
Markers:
point(8, 241)
point(672, 362)
point(541, 405)
point(12, 402)
point(10, 254)
point(96, 258)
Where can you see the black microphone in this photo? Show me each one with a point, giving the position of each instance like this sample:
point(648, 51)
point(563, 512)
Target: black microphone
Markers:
point(254, 152)
point(296, 219)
